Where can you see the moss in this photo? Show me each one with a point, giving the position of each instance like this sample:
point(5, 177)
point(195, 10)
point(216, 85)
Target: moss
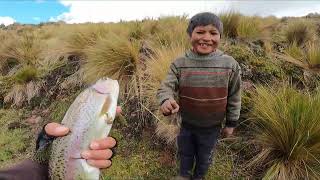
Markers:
point(26, 74)
point(263, 68)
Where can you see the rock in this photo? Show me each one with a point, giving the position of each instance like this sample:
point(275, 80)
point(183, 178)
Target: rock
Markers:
point(247, 86)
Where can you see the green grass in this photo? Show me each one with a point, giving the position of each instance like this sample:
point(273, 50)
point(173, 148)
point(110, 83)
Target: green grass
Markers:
point(13, 142)
point(288, 131)
point(139, 159)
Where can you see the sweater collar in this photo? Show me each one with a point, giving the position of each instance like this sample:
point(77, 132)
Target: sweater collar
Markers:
point(194, 56)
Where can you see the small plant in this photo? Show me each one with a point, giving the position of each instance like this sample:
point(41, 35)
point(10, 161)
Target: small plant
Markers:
point(288, 131)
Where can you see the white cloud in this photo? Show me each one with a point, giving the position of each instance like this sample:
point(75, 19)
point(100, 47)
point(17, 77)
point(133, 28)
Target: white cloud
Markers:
point(276, 8)
point(6, 20)
point(114, 11)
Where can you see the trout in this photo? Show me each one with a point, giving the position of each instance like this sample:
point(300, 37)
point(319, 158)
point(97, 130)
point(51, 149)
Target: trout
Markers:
point(89, 117)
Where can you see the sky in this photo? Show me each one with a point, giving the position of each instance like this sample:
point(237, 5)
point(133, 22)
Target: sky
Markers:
point(79, 11)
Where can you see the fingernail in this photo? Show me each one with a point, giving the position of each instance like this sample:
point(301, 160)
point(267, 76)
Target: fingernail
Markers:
point(94, 145)
point(91, 162)
point(85, 154)
point(62, 129)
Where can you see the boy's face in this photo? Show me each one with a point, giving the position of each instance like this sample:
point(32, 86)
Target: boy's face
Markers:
point(205, 39)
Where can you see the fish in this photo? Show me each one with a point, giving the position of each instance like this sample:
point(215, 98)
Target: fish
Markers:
point(89, 117)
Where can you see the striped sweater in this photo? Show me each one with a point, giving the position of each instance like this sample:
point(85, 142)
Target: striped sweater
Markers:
point(208, 88)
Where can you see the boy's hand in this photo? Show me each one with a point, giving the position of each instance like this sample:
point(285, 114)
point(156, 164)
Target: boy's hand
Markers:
point(227, 131)
point(100, 150)
point(169, 107)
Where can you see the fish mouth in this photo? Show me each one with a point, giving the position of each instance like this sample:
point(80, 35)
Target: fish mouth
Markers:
point(104, 86)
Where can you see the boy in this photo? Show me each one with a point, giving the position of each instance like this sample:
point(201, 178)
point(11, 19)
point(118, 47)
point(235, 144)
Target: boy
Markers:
point(208, 86)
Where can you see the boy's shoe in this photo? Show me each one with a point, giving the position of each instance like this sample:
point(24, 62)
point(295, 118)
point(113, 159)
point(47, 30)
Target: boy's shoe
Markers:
point(197, 178)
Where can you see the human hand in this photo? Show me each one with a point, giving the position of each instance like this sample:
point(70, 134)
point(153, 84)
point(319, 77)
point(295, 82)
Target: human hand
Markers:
point(100, 150)
point(227, 131)
point(170, 106)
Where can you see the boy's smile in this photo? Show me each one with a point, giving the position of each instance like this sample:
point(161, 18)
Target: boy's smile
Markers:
point(205, 39)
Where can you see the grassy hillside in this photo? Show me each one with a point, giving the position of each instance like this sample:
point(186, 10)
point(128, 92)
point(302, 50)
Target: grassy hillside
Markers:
point(44, 67)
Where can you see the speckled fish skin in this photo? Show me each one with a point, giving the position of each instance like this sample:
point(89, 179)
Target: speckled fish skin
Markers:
point(89, 118)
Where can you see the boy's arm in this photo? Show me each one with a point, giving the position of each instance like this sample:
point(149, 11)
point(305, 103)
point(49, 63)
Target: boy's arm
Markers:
point(234, 98)
point(169, 86)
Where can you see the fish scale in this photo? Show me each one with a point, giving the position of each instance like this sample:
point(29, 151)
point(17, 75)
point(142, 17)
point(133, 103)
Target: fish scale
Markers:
point(89, 117)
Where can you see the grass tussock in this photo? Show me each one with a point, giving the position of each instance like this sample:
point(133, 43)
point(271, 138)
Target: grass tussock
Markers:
point(313, 54)
point(249, 27)
point(156, 69)
point(85, 36)
point(238, 26)
point(167, 30)
point(299, 31)
point(113, 57)
point(288, 131)
point(230, 22)
point(20, 93)
point(24, 48)
point(295, 51)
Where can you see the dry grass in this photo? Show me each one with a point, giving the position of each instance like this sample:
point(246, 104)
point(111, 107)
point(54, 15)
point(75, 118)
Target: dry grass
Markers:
point(156, 69)
point(288, 131)
point(169, 31)
point(313, 54)
point(230, 20)
point(299, 31)
point(113, 57)
point(20, 93)
point(167, 129)
point(249, 27)
point(84, 36)
point(295, 51)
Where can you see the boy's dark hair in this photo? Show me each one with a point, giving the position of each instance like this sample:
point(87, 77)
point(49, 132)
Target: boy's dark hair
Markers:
point(204, 19)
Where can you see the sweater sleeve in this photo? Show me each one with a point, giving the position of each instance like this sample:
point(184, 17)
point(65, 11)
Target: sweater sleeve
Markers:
point(169, 86)
point(234, 98)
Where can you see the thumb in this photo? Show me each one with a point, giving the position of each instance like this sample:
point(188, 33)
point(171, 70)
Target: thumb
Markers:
point(56, 129)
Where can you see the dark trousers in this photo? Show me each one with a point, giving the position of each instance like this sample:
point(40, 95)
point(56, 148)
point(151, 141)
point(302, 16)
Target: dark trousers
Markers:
point(196, 146)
